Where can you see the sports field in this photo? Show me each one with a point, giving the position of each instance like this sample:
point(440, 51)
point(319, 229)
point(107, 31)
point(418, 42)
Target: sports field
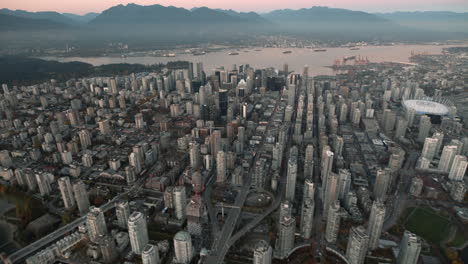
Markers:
point(425, 222)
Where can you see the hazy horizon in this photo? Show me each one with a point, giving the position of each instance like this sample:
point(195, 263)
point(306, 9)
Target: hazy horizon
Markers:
point(87, 6)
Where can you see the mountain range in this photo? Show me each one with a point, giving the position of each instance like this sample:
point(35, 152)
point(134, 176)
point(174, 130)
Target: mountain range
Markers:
point(318, 14)
point(425, 16)
point(158, 14)
point(15, 23)
point(65, 18)
point(132, 21)
point(436, 20)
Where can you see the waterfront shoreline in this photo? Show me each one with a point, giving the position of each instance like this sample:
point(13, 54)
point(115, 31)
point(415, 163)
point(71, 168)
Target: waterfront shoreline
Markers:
point(318, 62)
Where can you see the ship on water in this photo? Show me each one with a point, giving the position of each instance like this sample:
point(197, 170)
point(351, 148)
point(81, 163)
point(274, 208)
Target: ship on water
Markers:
point(287, 52)
point(233, 53)
point(199, 53)
point(354, 48)
point(320, 50)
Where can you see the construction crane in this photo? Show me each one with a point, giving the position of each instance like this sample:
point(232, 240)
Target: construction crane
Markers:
point(361, 60)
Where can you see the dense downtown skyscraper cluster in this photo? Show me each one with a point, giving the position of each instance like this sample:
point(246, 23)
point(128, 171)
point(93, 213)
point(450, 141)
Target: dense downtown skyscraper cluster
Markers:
point(244, 164)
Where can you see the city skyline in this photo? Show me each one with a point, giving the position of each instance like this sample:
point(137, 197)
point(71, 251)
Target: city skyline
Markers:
point(117, 162)
point(89, 6)
point(261, 132)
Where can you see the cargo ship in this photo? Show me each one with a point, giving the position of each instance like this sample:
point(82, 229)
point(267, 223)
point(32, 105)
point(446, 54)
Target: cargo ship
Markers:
point(287, 52)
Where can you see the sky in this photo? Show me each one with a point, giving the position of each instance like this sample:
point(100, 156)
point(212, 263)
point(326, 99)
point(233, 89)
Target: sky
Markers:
point(85, 6)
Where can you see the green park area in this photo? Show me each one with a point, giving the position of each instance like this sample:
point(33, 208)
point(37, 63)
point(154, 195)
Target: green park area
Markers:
point(458, 241)
point(428, 224)
point(27, 207)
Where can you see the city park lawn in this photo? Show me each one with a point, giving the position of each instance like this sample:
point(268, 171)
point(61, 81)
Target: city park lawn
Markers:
point(428, 224)
point(458, 241)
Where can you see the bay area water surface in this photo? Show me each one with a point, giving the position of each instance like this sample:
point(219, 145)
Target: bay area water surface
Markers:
point(274, 57)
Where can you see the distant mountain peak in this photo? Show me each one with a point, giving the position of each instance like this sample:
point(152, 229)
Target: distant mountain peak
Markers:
point(157, 14)
point(18, 23)
point(44, 15)
point(322, 14)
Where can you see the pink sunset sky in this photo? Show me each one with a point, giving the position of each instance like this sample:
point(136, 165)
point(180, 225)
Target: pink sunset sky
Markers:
point(85, 6)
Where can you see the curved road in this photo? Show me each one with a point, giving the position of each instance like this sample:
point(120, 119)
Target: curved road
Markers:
point(222, 242)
